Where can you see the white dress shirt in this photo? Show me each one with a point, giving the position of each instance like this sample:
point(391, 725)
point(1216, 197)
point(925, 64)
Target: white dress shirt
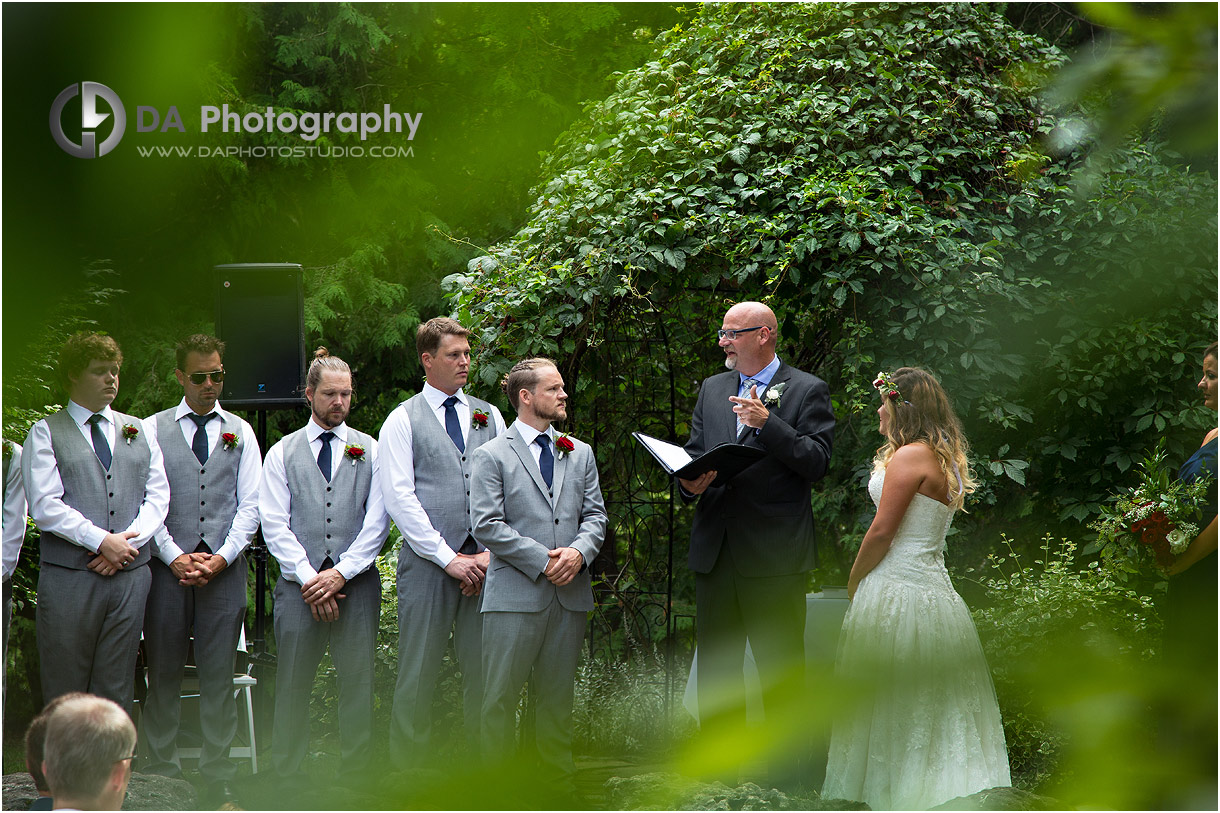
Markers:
point(398, 472)
point(14, 513)
point(249, 472)
point(45, 490)
point(275, 509)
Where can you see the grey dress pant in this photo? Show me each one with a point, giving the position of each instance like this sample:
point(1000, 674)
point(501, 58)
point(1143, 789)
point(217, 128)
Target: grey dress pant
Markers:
point(546, 643)
point(213, 614)
point(88, 630)
point(301, 641)
point(430, 605)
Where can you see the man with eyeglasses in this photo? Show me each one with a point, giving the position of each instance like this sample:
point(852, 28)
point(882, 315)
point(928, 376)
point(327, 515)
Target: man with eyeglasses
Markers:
point(199, 573)
point(90, 745)
point(752, 538)
point(97, 490)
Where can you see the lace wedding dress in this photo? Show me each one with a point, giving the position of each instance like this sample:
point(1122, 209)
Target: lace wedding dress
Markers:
point(926, 727)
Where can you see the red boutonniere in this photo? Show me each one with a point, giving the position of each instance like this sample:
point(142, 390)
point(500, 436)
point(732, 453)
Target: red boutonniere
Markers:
point(229, 441)
point(130, 433)
point(479, 419)
point(354, 452)
point(564, 444)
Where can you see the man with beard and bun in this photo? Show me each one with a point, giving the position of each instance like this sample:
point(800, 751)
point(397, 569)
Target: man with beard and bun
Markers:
point(537, 506)
point(752, 540)
point(199, 572)
point(324, 521)
point(426, 446)
point(97, 490)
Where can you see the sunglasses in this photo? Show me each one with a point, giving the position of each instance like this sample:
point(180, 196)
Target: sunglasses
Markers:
point(217, 376)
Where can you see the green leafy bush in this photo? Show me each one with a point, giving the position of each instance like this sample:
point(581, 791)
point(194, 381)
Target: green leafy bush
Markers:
point(1047, 616)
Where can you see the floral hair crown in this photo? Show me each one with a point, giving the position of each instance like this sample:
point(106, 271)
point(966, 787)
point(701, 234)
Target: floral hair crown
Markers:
point(888, 389)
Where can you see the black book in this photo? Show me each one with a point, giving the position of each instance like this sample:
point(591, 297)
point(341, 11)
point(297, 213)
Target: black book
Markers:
point(727, 460)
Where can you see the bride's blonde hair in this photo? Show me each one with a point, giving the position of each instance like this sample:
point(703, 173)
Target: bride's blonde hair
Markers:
point(920, 412)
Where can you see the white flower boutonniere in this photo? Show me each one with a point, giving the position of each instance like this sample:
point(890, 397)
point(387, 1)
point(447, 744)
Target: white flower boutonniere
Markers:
point(773, 394)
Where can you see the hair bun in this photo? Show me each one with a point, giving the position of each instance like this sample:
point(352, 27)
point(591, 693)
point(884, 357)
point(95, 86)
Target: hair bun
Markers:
point(504, 384)
point(321, 353)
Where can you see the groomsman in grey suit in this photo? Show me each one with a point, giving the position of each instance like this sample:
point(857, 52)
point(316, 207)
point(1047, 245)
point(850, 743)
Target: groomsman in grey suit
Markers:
point(97, 491)
point(13, 533)
point(426, 445)
point(199, 572)
point(324, 521)
point(538, 508)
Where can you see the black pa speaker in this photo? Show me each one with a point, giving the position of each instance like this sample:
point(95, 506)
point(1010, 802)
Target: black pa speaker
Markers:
point(260, 316)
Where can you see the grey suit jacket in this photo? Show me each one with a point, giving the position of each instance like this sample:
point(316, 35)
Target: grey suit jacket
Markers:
point(763, 514)
point(519, 519)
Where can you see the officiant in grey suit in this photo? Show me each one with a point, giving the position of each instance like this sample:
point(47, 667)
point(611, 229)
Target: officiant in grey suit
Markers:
point(752, 538)
point(537, 506)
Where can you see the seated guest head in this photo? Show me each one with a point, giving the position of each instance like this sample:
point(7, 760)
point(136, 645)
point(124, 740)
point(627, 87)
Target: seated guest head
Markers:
point(35, 738)
point(89, 366)
point(90, 745)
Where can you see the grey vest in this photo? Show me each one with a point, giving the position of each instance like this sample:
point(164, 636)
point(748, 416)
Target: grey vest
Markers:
point(442, 473)
point(203, 498)
point(326, 517)
point(108, 499)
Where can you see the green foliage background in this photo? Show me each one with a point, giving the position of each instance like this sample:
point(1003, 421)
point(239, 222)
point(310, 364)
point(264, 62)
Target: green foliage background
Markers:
point(885, 177)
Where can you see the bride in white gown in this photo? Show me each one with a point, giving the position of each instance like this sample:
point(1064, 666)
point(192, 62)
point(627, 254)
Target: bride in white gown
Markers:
point(927, 726)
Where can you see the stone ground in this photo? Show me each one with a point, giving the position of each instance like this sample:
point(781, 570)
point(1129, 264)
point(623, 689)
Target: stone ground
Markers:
point(602, 784)
point(144, 792)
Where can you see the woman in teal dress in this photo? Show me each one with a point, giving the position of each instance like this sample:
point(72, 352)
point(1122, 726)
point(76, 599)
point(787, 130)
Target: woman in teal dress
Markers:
point(1191, 615)
point(1189, 735)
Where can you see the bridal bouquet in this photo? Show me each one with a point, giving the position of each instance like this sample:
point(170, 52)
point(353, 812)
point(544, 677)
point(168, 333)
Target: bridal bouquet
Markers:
point(1159, 517)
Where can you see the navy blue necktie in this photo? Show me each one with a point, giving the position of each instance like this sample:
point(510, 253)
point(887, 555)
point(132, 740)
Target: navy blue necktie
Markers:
point(200, 443)
point(324, 454)
point(546, 460)
point(100, 447)
point(451, 423)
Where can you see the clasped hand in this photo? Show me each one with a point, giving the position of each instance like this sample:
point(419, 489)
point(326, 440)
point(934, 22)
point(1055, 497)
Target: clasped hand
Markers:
point(114, 554)
point(322, 594)
point(470, 571)
point(197, 569)
point(564, 565)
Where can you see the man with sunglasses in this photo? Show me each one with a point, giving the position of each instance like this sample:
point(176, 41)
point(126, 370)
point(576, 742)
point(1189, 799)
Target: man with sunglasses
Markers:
point(752, 541)
point(199, 571)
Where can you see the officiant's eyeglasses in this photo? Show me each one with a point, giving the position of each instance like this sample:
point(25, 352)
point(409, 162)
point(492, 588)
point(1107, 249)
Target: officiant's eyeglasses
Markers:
point(733, 334)
point(217, 376)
